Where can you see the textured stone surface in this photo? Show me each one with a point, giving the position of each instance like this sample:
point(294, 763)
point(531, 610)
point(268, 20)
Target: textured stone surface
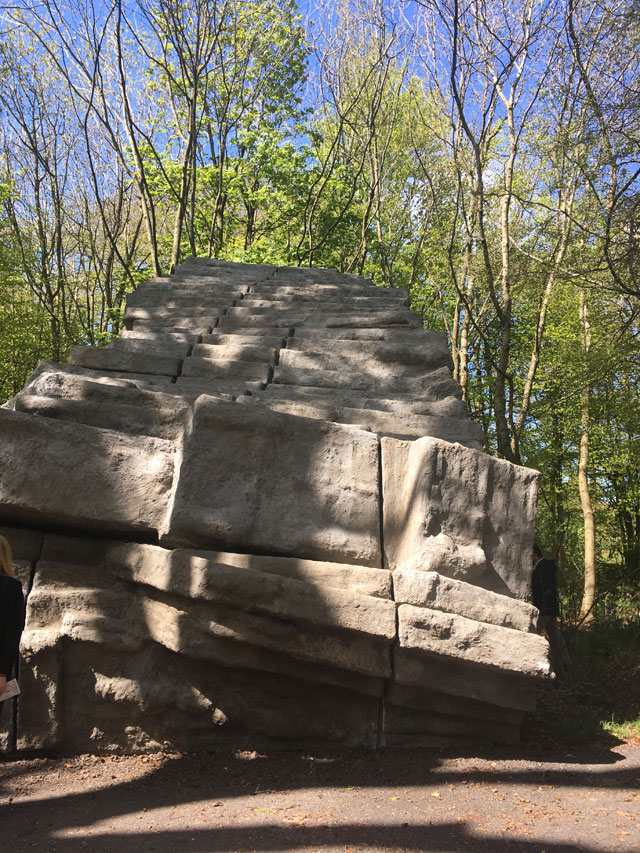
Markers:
point(464, 679)
point(452, 636)
point(382, 422)
point(460, 513)
point(221, 368)
point(429, 589)
point(276, 483)
point(358, 380)
point(52, 472)
point(134, 362)
point(121, 407)
point(378, 358)
point(233, 448)
point(172, 651)
point(211, 578)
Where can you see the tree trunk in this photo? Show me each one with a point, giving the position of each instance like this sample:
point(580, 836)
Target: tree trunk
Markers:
point(589, 593)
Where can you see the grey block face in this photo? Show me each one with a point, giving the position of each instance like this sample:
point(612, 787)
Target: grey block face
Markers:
point(122, 407)
point(166, 347)
point(381, 359)
point(459, 638)
point(272, 431)
point(77, 475)
point(134, 362)
point(222, 368)
point(122, 624)
point(194, 386)
point(460, 513)
point(280, 484)
point(436, 592)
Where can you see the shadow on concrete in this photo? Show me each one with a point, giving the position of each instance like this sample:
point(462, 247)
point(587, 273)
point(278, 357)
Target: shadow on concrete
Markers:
point(69, 822)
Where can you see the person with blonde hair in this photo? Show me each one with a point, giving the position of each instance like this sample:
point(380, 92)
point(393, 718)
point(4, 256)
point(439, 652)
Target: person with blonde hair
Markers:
point(11, 614)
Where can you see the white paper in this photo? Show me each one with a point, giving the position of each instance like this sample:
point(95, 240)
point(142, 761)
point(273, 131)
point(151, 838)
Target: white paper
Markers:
point(12, 689)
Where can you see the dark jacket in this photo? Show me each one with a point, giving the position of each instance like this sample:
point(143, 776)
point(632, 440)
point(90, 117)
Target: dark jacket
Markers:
point(11, 622)
point(544, 588)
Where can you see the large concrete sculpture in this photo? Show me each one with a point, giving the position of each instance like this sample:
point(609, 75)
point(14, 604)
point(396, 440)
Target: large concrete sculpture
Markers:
point(262, 516)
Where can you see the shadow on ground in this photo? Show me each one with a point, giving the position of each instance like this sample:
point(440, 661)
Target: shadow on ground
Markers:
point(71, 804)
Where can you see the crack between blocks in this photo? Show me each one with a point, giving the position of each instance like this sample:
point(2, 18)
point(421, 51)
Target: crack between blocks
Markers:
point(382, 706)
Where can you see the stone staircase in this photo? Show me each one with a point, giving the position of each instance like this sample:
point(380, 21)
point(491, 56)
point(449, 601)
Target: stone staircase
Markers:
point(262, 517)
point(312, 343)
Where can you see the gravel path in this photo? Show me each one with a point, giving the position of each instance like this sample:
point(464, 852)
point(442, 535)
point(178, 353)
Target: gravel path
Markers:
point(493, 800)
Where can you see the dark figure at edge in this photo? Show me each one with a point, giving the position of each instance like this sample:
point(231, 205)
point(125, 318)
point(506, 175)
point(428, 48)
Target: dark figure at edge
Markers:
point(11, 615)
point(544, 593)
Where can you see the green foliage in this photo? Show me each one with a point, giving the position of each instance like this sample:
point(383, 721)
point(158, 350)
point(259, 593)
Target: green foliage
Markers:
point(600, 700)
point(358, 161)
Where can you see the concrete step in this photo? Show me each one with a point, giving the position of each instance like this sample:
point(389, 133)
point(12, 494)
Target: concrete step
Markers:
point(236, 318)
point(383, 423)
point(159, 337)
point(188, 285)
point(325, 292)
point(378, 357)
point(436, 384)
point(304, 276)
point(273, 341)
point(225, 369)
point(213, 266)
point(123, 408)
point(333, 302)
point(182, 293)
point(236, 351)
point(169, 347)
point(106, 377)
point(186, 316)
point(451, 407)
point(112, 359)
point(194, 386)
point(197, 328)
point(326, 337)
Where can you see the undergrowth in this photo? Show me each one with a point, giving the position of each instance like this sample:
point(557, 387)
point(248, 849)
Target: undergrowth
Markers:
point(600, 698)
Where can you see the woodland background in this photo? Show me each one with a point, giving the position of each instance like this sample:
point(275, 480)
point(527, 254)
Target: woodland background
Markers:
point(486, 155)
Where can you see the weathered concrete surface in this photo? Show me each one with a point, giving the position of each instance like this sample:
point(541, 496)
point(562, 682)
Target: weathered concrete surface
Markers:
point(381, 358)
point(222, 368)
point(246, 412)
point(358, 380)
point(135, 362)
point(436, 592)
point(460, 513)
point(276, 483)
point(67, 473)
point(448, 676)
point(209, 384)
point(122, 407)
point(106, 377)
point(400, 404)
point(208, 577)
point(357, 579)
point(236, 350)
point(384, 423)
point(452, 636)
point(175, 656)
point(167, 347)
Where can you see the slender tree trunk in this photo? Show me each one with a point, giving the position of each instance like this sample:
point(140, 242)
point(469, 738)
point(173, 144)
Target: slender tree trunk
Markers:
point(557, 502)
point(146, 200)
point(589, 593)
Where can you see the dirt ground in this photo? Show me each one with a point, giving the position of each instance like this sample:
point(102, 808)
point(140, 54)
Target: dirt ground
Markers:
point(537, 797)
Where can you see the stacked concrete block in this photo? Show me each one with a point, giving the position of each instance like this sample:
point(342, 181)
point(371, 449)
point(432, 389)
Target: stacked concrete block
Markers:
point(262, 516)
